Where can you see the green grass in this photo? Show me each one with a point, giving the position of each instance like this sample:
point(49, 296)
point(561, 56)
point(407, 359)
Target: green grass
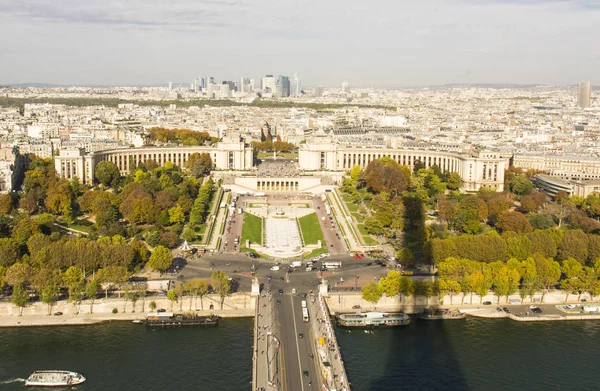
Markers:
point(369, 241)
point(359, 218)
point(252, 229)
point(311, 229)
point(352, 206)
point(362, 229)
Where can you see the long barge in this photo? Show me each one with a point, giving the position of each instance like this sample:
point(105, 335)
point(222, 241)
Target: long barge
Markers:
point(373, 319)
point(171, 319)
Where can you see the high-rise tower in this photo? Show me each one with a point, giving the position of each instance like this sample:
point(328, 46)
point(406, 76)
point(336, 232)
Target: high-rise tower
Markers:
point(585, 94)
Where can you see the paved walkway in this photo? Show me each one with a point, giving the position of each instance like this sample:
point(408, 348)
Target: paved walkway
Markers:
point(220, 220)
point(329, 352)
point(342, 219)
point(266, 351)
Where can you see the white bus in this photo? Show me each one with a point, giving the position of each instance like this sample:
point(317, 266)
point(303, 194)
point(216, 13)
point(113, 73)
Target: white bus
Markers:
point(332, 265)
point(305, 314)
point(327, 209)
point(259, 194)
point(303, 303)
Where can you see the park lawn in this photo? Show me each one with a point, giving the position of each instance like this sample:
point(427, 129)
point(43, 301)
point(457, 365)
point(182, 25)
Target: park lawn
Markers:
point(359, 218)
point(252, 229)
point(311, 229)
point(362, 229)
point(369, 241)
point(316, 252)
point(352, 207)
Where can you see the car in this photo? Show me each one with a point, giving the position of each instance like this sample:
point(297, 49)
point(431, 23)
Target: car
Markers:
point(281, 291)
point(305, 373)
point(505, 309)
point(161, 310)
point(498, 309)
point(584, 300)
point(58, 313)
point(293, 290)
point(537, 310)
point(487, 303)
point(300, 335)
point(532, 307)
point(356, 307)
point(278, 301)
point(310, 355)
point(331, 245)
point(570, 306)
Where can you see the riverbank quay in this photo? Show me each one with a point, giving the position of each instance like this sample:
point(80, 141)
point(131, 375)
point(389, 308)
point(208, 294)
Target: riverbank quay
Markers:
point(554, 308)
point(102, 310)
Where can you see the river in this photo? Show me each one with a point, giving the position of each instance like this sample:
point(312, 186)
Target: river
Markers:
point(471, 354)
point(127, 356)
point(474, 354)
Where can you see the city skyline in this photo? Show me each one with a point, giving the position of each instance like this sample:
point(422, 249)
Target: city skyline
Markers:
point(394, 45)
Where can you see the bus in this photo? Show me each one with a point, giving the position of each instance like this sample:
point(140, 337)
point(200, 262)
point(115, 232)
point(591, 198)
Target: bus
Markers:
point(303, 303)
point(332, 265)
point(305, 314)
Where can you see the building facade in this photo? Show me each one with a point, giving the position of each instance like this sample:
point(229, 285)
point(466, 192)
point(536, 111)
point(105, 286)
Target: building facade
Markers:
point(477, 169)
point(229, 154)
point(584, 96)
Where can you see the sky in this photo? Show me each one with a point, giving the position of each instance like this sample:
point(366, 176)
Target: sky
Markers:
point(379, 43)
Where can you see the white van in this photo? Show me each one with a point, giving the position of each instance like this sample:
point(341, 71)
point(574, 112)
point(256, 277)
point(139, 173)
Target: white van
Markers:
point(275, 268)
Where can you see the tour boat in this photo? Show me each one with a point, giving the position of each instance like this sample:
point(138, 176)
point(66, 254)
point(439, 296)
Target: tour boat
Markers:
point(441, 314)
point(54, 379)
point(373, 319)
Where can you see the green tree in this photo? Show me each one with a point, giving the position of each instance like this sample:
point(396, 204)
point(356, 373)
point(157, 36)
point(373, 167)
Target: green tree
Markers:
point(9, 251)
point(91, 290)
point(198, 288)
point(176, 215)
point(161, 259)
point(199, 165)
point(573, 271)
point(372, 292)
point(521, 185)
point(220, 284)
point(107, 173)
point(449, 287)
point(20, 297)
point(541, 221)
point(172, 296)
point(73, 280)
point(513, 221)
point(454, 181)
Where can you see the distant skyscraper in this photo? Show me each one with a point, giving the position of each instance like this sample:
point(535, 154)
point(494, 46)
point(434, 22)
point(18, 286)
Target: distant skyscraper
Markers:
point(296, 86)
point(284, 81)
point(170, 86)
point(244, 84)
point(268, 83)
point(345, 87)
point(585, 94)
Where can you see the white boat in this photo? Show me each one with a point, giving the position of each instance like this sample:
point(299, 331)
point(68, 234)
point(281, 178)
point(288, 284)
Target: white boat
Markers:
point(54, 379)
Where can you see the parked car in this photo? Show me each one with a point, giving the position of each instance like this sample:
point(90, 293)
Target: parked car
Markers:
point(281, 291)
point(305, 373)
point(300, 335)
point(161, 310)
point(505, 309)
point(58, 313)
point(487, 303)
point(356, 307)
point(278, 301)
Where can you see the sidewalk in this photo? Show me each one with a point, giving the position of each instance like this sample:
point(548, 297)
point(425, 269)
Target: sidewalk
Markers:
point(335, 375)
point(216, 233)
point(266, 351)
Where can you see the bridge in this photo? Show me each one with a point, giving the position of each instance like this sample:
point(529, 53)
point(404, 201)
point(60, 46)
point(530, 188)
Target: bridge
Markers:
point(292, 352)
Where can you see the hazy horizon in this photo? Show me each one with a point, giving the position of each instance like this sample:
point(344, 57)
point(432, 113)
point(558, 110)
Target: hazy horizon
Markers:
point(399, 45)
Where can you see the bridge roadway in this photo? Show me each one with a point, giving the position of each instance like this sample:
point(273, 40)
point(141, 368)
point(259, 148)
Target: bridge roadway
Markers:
point(289, 357)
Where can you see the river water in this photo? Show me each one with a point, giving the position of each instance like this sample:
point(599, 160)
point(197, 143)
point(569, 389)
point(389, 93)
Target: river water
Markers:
point(471, 354)
point(126, 356)
point(474, 354)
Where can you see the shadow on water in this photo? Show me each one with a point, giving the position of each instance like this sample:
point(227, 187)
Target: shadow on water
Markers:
point(419, 356)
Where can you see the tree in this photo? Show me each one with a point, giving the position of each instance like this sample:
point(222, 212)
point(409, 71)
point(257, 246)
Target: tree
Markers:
point(176, 215)
point(386, 175)
point(513, 221)
point(73, 280)
point(20, 298)
point(152, 305)
point(161, 259)
point(220, 284)
point(372, 292)
point(547, 272)
point(573, 271)
point(172, 296)
point(9, 251)
point(448, 287)
point(541, 221)
point(520, 185)
point(6, 203)
point(107, 173)
point(199, 164)
point(454, 181)
point(91, 290)
point(574, 244)
point(197, 287)
point(111, 276)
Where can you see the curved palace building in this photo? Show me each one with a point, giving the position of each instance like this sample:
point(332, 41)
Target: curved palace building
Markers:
point(325, 158)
